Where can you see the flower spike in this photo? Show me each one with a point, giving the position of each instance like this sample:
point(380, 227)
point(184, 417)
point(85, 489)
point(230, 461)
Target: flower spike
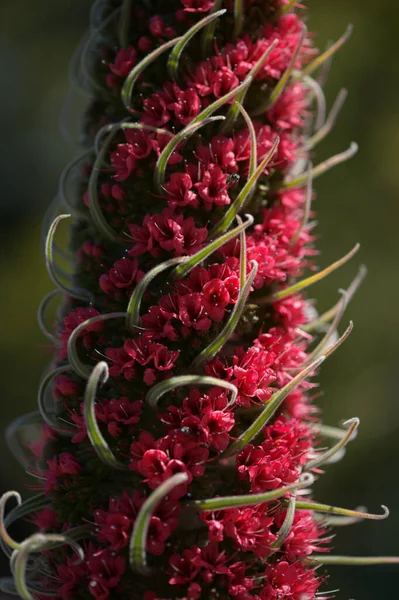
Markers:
point(127, 89)
point(305, 283)
point(245, 194)
point(321, 59)
point(218, 343)
point(3, 531)
point(321, 459)
point(103, 451)
point(78, 294)
point(209, 391)
point(174, 57)
point(138, 540)
point(213, 504)
point(163, 387)
point(323, 167)
point(203, 254)
point(73, 356)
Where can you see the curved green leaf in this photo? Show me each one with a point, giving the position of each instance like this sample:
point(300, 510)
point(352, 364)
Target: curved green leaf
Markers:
point(133, 309)
point(103, 451)
point(73, 293)
point(203, 254)
point(245, 194)
point(75, 363)
point(127, 88)
point(163, 387)
point(138, 540)
point(209, 352)
point(174, 58)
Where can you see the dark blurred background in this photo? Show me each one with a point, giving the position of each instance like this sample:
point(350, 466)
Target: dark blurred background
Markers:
point(356, 202)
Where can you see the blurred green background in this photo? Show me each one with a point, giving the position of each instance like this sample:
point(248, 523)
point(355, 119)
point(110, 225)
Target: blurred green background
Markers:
point(356, 202)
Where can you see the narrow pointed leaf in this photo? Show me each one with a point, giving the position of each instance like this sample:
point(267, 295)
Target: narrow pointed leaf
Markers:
point(320, 460)
point(96, 214)
point(3, 531)
point(34, 544)
point(209, 352)
point(184, 134)
point(329, 559)
point(238, 16)
point(323, 131)
point(234, 109)
point(63, 183)
point(163, 387)
point(124, 23)
point(321, 59)
point(288, 6)
point(245, 193)
point(336, 510)
point(209, 30)
point(323, 167)
point(213, 504)
point(174, 58)
point(83, 295)
point(51, 420)
point(203, 254)
point(138, 540)
point(73, 357)
point(41, 311)
point(85, 55)
point(103, 451)
point(285, 528)
point(330, 314)
point(305, 283)
point(270, 408)
point(283, 81)
point(320, 98)
point(308, 203)
point(114, 127)
point(133, 308)
point(130, 81)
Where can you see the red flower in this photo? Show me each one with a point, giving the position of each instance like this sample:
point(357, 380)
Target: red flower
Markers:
point(213, 188)
point(193, 313)
point(124, 62)
point(179, 191)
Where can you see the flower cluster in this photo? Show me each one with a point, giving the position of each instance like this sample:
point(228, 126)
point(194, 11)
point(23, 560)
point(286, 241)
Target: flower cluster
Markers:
point(180, 434)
